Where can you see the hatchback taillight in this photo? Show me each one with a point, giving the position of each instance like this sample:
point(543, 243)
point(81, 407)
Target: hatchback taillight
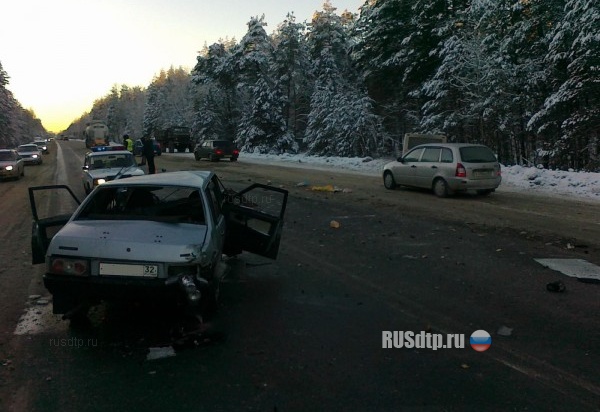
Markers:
point(236, 152)
point(65, 266)
point(460, 170)
point(218, 151)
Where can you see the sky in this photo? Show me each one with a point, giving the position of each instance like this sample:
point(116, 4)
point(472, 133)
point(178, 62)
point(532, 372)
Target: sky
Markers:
point(62, 55)
point(535, 181)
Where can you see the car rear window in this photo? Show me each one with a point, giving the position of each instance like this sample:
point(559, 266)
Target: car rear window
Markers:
point(171, 204)
point(222, 143)
point(477, 154)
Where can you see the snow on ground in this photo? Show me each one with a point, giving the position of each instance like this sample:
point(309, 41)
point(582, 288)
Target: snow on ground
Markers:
point(582, 185)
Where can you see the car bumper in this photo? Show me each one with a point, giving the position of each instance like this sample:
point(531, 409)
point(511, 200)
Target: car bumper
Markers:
point(32, 161)
point(119, 289)
point(458, 184)
point(5, 174)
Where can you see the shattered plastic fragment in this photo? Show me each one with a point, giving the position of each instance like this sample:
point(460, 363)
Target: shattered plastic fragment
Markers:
point(504, 331)
point(161, 352)
point(334, 224)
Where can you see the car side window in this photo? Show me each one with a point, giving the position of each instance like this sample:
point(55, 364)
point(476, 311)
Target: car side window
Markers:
point(447, 155)
point(413, 155)
point(431, 154)
point(213, 201)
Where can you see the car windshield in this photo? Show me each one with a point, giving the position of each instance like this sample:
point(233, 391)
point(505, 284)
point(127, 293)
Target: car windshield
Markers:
point(28, 148)
point(7, 156)
point(172, 204)
point(112, 161)
point(477, 154)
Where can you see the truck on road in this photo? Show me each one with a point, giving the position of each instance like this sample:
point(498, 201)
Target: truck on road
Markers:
point(176, 137)
point(96, 134)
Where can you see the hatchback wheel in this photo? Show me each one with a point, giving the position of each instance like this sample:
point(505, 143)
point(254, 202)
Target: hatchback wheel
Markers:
point(196, 156)
point(440, 188)
point(388, 181)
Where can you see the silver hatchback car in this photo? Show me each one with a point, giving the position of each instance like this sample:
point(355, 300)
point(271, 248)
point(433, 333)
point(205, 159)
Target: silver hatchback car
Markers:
point(446, 168)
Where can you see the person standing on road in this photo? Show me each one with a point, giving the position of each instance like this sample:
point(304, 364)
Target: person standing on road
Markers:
point(128, 142)
point(148, 154)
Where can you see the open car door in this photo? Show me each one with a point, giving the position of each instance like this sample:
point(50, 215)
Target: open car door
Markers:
point(255, 220)
point(57, 199)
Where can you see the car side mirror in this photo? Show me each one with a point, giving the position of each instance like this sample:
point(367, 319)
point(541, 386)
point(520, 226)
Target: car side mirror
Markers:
point(400, 159)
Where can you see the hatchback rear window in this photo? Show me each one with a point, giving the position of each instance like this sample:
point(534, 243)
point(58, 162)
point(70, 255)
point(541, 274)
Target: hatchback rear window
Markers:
point(221, 143)
point(477, 154)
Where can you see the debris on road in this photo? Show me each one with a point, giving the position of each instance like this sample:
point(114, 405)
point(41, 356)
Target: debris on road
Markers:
point(160, 352)
point(557, 286)
point(302, 184)
point(504, 331)
point(334, 224)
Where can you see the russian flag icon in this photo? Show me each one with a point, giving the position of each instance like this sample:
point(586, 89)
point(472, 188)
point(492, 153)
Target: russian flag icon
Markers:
point(480, 340)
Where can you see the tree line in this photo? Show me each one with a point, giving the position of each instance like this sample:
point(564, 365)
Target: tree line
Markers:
point(522, 76)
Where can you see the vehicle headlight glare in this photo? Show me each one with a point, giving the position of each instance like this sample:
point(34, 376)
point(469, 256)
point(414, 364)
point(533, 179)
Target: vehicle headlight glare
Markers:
point(9, 168)
point(100, 181)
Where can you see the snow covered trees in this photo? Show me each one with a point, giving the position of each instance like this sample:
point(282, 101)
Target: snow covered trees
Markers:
point(518, 75)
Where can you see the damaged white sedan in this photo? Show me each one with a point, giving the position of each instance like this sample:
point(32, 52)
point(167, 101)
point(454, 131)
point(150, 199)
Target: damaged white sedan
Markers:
point(156, 238)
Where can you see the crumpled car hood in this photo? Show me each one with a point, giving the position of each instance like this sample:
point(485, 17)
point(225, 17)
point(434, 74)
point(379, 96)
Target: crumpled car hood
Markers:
point(144, 241)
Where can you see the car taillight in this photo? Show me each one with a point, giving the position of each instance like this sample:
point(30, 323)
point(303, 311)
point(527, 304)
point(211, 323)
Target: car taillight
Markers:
point(218, 151)
point(64, 266)
point(460, 170)
point(236, 152)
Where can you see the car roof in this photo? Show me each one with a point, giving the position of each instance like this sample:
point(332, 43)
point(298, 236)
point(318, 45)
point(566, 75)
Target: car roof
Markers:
point(28, 145)
point(458, 145)
point(108, 152)
point(7, 150)
point(187, 178)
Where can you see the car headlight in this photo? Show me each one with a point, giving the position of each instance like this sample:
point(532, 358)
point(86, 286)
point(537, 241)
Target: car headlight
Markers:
point(68, 266)
point(9, 168)
point(99, 181)
point(35, 156)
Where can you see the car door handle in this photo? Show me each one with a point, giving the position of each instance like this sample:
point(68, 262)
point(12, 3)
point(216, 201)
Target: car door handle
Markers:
point(434, 167)
point(414, 166)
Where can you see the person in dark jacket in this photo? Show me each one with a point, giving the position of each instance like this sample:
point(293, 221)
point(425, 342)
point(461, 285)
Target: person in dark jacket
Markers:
point(148, 154)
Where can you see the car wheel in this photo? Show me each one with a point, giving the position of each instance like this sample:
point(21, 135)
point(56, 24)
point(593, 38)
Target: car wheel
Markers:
point(213, 158)
point(197, 156)
point(233, 159)
point(440, 188)
point(388, 181)
point(484, 192)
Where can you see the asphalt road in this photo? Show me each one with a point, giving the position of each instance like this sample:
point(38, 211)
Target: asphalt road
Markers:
point(305, 332)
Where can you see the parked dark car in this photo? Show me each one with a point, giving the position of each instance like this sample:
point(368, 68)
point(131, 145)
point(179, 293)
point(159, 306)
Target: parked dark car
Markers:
point(137, 147)
point(215, 150)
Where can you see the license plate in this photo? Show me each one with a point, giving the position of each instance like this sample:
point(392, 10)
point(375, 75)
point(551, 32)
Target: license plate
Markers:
point(483, 173)
point(117, 269)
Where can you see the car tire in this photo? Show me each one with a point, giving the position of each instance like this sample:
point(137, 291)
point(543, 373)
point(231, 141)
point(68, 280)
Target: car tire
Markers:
point(233, 159)
point(440, 188)
point(388, 181)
